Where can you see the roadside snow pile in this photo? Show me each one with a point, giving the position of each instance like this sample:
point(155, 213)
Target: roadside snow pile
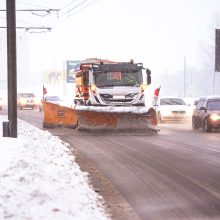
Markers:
point(39, 179)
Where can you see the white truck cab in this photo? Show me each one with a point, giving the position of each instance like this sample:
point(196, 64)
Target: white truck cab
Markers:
point(118, 84)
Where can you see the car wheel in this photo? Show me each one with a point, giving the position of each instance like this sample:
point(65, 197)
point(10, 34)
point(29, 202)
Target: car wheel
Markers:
point(194, 125)
point(206, 127)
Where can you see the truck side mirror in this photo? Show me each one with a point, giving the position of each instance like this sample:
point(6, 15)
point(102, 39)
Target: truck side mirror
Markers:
point(203, 108)
point(148, 72)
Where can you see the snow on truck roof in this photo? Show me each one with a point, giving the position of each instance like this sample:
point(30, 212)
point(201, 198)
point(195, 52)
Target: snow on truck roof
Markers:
point(117, 67)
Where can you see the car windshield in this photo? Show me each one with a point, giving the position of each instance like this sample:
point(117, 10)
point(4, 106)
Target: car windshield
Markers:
point(214, 105)
point(27, 95)
point(52, 98)
point(172, 101)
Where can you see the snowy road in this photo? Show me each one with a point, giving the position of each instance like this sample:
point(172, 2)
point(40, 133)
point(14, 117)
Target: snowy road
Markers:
point(174, 175)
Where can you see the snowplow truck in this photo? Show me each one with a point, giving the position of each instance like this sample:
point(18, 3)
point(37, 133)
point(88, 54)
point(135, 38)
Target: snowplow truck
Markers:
point(109, 96)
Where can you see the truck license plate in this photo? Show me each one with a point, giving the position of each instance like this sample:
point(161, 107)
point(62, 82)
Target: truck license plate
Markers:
point(118, 97)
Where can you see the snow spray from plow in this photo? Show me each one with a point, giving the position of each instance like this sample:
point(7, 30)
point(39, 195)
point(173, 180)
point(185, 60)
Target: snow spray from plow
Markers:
point(89, 118)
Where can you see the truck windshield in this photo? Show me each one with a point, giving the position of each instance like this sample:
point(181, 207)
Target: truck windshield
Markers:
point(118, 78)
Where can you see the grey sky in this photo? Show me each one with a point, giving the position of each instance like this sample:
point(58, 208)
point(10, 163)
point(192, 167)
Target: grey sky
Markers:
point(156, 32)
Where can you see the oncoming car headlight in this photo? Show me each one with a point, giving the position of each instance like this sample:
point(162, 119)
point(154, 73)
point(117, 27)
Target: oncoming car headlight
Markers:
point(22, 101)
point(214, 117)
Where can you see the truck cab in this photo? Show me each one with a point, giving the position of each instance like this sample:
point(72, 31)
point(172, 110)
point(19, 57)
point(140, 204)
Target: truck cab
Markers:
point(112, 84)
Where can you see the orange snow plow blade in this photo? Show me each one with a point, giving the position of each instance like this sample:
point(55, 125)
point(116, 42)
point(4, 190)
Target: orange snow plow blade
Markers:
point(85, 118)
point(58, 116)
point(91, 120)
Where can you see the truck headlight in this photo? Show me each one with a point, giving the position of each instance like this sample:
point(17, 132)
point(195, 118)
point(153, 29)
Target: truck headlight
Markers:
point(143, 87)
point(93, 87)
point(214, 117)
point(131, 95)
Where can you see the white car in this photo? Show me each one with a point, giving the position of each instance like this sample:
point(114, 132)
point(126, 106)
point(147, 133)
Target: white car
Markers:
point(53, 99)
point(172, 109)
point(27, 100)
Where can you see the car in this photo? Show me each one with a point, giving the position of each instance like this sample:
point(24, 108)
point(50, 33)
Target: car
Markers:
point(53, 99)
point(171, 109)
point(207, 114)
point(1, 103)
point(27, 100)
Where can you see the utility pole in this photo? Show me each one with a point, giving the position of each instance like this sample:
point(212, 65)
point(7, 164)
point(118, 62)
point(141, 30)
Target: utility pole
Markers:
point(12, 68)
point(217, 58)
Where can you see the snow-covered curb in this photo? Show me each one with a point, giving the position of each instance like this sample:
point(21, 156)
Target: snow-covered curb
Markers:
point(39, 179)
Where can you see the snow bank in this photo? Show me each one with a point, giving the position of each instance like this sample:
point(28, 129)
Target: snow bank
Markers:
point(39, 179)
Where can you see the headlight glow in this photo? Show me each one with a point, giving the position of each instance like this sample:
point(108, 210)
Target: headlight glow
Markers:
point(143, 87)
point(131, 95)
point(37, 101)
point(22, 101)
point(165, 112)
point(93, 87)
point(214, 117)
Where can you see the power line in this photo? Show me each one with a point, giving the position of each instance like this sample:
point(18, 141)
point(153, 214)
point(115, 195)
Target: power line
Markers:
point(33, 10)
point(70, 3)
point(84, 7)
point(77, 6)
point(68, 11)
point(63, 12)
point(30, 28)
point(47, 11)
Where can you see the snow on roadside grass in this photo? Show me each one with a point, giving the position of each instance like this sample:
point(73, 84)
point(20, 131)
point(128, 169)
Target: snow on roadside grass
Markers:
point(39, 179)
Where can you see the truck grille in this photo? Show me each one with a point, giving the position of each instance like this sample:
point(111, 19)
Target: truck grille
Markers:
point(109, 98)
